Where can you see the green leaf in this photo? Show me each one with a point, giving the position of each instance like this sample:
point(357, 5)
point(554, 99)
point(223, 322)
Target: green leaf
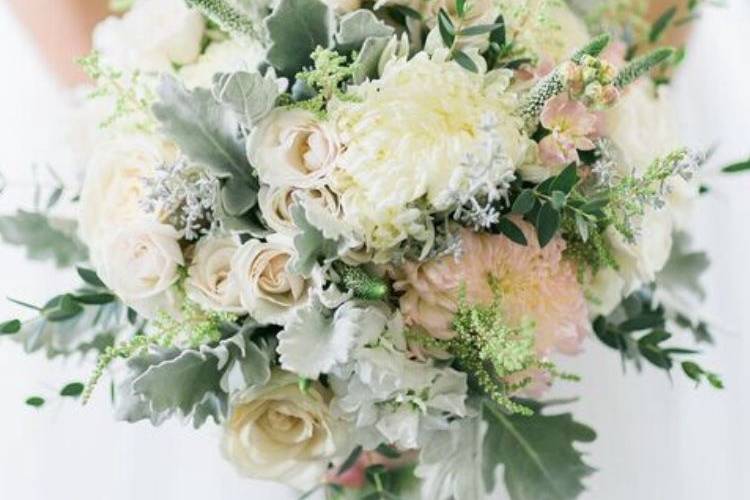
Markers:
point(480, 29)
point(661, 24)
point(311, 244)
point(460, 7)
point(388, 451)
point(465, 61)
point(498, 34)
point(249, 95)
point(366, 64)
point(565, 180)
point(558, 199)
point(295, 29)
point(10, 327)
point(62, 308)
point(742, 166)
point(547, 224)
point(644, 322)
point(90, 277)
point(524, 202)
point(43, 237)
point(538, 454)
point(351, 460)
point(72, 390)
point(445, 26)
point(95, 298)
point(692, 370)
point(356, 27)
point(35, 401)
point(510, 230)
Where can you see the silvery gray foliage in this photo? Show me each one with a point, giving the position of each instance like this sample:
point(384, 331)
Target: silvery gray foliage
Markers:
point(92, 330)
point(208, 133)
point(44, 237)
point(450, 462)
point(295, 29)
point(356, 27)
point(249, 95)
point(184, 196)
point(312, 245)
point(680, 279)
point(194, 383)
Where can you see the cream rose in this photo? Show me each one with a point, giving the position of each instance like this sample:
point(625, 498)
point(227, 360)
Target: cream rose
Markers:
point(276, 202)
point(210, 281)
point(152, 36)
point(268, 291)
point(139, 263)
point(291, 147)
point(279, 432)
point(113, 186)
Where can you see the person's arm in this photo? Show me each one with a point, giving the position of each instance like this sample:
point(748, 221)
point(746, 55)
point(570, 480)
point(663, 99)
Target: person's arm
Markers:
point(62, 31)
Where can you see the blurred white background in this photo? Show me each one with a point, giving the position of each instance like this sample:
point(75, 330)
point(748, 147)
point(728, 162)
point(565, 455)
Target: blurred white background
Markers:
point(657, 440)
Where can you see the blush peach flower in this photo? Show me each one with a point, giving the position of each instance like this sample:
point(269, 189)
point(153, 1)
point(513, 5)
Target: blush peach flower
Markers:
point(533, 283)
point(571, 126)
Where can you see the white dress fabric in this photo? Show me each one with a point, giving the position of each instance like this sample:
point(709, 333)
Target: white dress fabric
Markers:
point(657, 440)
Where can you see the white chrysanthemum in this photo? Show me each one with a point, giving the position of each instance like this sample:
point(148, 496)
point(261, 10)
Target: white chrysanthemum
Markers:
point(408, 135)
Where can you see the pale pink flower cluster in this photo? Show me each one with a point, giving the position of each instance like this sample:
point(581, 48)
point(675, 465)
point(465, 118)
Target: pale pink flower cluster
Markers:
point(571, 127)
point(533, 283)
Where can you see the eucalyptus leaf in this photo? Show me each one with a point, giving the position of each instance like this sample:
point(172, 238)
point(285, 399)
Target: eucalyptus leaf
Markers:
point(547, 224)
point(90, 277)
point(43, 237)
point(446, 28)
point(10, 327)
point(35, 401)
point(72, 390)
point(295, 29)
point(465, 61)
point(514, 233)
point(524, 202)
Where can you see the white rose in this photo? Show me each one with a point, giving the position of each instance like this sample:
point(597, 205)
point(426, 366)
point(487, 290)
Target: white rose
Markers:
point(223, 57)
point(291, 147)
point(152, 36)
point(139, 262)
point(113, 187)
point(210, 282)
point(605, 292)
point(281, 433)
point(268, 291)
point(640, 261)
point(276, 202)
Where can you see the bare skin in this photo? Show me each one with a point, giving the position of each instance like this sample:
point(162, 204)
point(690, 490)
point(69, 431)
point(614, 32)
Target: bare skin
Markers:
point(62, 31)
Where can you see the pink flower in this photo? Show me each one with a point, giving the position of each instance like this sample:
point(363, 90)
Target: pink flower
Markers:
point(355, 476)
point(570, 124)
point(534, 283)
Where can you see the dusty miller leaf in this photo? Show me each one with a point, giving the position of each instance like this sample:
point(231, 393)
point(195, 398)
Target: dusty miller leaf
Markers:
point(296, 28)
point(356, 27)
point(538, 455)
point(43, 237)
point(249, 95)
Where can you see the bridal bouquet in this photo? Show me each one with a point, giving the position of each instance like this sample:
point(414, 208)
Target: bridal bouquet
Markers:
point(360, 235)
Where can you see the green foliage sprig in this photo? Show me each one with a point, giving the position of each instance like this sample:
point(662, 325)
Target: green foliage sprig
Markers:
point(132, 97)
point(326, 78)
point(226, 16)
point(642, 65)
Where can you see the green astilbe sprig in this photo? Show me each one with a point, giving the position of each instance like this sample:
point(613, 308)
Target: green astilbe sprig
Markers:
point(226, 16)
point(329, 73)
point(362, 284)
point(194, 328)
point(492, 352)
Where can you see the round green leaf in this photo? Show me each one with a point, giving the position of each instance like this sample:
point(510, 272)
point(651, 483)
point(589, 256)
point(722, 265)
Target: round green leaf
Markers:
point(72, 390)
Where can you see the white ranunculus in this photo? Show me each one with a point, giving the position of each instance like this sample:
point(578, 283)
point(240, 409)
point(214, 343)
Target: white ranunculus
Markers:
point(113, 186)
point(276, 202)
point(291, 147)
point(642, 125)
point(268, 291)
point(153, 36)
point(139, 262)
point(210, 282)
point(639, 262)
point(278, 432)
point(223, 57)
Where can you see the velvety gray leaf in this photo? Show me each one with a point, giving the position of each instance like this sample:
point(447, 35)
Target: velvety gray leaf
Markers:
point(368, 59)
point(356, 27)
point(296, 28)
point(249, 95)
point(540, 461)
point(43, 237)
point(311, 245)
